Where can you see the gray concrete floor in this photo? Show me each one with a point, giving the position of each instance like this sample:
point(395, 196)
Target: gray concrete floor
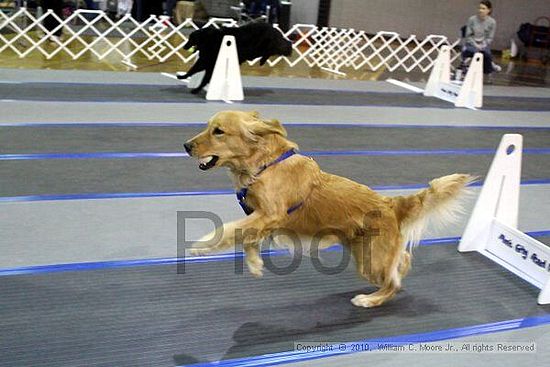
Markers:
point(539, 336)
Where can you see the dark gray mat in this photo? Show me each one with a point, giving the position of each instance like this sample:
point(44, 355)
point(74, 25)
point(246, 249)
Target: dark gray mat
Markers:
point(180, 94)
point(152, 316)
point(24, 140)
point(182, 174)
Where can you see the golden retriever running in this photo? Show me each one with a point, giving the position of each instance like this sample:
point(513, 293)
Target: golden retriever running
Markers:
point(281, 189)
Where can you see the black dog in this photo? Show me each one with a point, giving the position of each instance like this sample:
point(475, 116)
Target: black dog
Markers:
point(253, 40)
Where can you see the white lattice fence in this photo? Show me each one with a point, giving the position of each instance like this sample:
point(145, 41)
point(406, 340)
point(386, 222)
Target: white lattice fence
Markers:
point(331, 49)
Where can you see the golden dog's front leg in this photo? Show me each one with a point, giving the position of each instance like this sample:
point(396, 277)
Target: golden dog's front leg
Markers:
point(254, 260)
point(248, 231)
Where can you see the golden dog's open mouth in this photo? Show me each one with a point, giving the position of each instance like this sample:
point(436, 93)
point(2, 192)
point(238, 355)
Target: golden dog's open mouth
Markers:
point(208, 162)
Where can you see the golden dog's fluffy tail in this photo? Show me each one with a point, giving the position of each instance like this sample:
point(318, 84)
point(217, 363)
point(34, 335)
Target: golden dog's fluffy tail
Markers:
point(439, 204)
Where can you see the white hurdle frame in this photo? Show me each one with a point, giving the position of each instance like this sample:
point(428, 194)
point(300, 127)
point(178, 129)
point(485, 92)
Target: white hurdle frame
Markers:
point(492, 228)
point(467, 94)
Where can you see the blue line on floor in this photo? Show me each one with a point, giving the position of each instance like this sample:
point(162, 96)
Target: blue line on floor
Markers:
point(156, 155)
point(408, 152)
point(114, 195)
point(134, 195)
point(407, 340)
point(94, 155)
point(56, 268)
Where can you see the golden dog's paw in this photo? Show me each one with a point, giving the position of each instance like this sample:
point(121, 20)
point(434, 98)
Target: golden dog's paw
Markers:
point(256, 267)
point(256, 273)
point(362, 300)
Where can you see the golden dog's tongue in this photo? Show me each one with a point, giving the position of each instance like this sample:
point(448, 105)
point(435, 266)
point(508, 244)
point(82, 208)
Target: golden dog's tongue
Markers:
point(207, 162)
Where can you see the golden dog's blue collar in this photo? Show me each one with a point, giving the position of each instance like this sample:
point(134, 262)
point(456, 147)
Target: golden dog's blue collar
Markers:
point(241, 194)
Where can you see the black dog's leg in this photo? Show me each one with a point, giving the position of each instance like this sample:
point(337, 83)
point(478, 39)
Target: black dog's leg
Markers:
point(263, 60)
point(183, 76)
point(197, 68)
point(205, 80)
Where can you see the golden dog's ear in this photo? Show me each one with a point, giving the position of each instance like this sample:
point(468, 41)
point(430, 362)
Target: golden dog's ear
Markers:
point(254, 114)
point(264, 127)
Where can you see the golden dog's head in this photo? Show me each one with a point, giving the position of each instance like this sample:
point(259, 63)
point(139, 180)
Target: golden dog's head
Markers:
point(231, 138)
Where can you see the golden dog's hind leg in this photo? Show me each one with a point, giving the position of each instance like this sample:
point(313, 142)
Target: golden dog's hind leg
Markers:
point(379, 262)
point(405, 264)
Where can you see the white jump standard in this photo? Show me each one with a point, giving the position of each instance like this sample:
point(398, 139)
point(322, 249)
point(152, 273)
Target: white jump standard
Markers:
point(468, 93)
point(226, 83)
point(492, 228)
